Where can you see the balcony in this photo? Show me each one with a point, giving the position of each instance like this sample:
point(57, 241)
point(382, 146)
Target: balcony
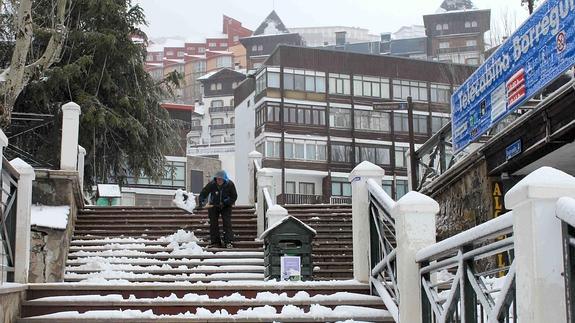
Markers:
point(457, 49)
point(196, 128)
point(221, 109)
point(299, 199)
point(340, 200)
point(211, 150)
point(222, 126)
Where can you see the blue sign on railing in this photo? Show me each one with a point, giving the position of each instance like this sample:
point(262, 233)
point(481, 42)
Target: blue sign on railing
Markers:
point(539, 51)
point(513, 150)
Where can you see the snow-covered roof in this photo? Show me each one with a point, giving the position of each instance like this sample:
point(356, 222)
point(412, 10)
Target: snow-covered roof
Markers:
point(451, 5)
point(272, 25)
point(109, 190)
point(207, 75)
point(406, 32)
point(221, 52)
point(284, 220)
point(175, 60)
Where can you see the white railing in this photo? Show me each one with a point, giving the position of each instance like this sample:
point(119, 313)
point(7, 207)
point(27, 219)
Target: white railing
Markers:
point(518, 267)
point(384, 273)
point(470, 277)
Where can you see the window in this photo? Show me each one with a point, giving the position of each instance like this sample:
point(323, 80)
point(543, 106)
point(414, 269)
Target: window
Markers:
point(438, 27)
point(169, 53)
point(471, 43)
point(340, 118)
point(417, 90)
point(180, 54)
point(440, 93)
point(217, 103)
point(212, 44)
point(299, 151)
point(474, 24)
point(376, 155)
point(290, 187)
point(234, 86)
point(339, 84)
point(201, 50)
point(288, 150)
point(371, 87)
point(420, 124)
point(219, 86)
point(274, 80)
point(387, 185)
point(401, 156)
point(340, 189)
point(268, 112)
point(217, 121)
point(438, 122)
point(467, 24)
point(261, 83)
point(224, 61)
point(400, 122)
point(308, 150)
point(254, 48)
point(196, 122)
point(445, 26)
point(213, 86)
point(304, 114)
point(236, 38)
point(273, 149)
point(232, 120)
point(149, 57)
point(306, 188)
point(174, 176)
point(300, 80)
point(260, 48)
point(372, 120)
point(224, 45)
point(400, 188)
point(444, 45)
point(341, 153)
point(217, 139)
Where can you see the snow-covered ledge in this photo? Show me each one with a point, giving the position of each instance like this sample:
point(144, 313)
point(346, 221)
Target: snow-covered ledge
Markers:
point(538, 244)
point(414, 216)
point(360, 217)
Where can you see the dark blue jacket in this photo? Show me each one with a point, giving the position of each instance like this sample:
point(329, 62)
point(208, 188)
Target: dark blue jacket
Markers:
point(222, 196)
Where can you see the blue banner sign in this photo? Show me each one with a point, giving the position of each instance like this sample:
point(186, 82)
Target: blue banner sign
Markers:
point(513, 150)
point(539, 51)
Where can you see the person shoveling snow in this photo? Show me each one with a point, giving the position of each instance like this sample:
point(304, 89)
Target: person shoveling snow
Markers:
point(185, 201)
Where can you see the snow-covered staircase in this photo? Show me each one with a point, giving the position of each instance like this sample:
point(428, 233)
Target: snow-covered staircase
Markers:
point(145, 265)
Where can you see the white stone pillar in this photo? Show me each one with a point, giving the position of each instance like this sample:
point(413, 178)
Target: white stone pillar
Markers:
point(265, 179)
point(3, 144)
point(23, 214)
point(254, 156)
point(538, 245)
point(81, 157)
point(360, 217)
point(70, 128)
point(414, 216)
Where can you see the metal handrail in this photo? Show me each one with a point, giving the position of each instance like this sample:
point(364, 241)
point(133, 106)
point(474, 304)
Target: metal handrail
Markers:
point(8, 194)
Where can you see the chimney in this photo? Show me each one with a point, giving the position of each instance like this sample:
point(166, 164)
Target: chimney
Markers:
point(340, 38)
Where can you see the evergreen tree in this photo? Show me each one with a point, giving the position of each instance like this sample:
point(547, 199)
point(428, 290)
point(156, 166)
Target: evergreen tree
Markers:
point(122, 126)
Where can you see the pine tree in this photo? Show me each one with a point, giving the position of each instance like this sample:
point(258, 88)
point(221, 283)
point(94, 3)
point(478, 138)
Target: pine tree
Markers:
point(122, 127)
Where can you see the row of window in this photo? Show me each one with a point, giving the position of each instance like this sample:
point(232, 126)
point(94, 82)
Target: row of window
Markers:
point(376, 121)
point(468, 24)
point(344, 188)
point(174, 176)
point(295, 150)
point(363, 86)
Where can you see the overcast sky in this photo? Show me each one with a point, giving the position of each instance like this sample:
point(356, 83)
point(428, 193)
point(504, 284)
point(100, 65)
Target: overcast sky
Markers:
point(196, 18)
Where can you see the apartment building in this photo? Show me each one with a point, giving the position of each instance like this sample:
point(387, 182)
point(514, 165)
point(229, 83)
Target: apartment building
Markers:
point(456, 33)
point(212, 131)
point(317, 113)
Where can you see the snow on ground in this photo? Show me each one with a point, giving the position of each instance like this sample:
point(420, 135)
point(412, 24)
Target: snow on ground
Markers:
point(55, 217)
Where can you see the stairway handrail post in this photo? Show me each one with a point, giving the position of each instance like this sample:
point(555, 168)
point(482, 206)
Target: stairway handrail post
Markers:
point(255, 161)
point(23, 218)
point(265, 181)
point(415, 229)
point(539, 244)
point(360, 217)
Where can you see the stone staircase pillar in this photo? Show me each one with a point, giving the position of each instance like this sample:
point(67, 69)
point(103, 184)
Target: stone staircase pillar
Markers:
point(70, 128)
point(360, 217)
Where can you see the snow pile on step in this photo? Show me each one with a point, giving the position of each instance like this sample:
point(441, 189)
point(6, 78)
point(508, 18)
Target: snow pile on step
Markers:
point(267, 312)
